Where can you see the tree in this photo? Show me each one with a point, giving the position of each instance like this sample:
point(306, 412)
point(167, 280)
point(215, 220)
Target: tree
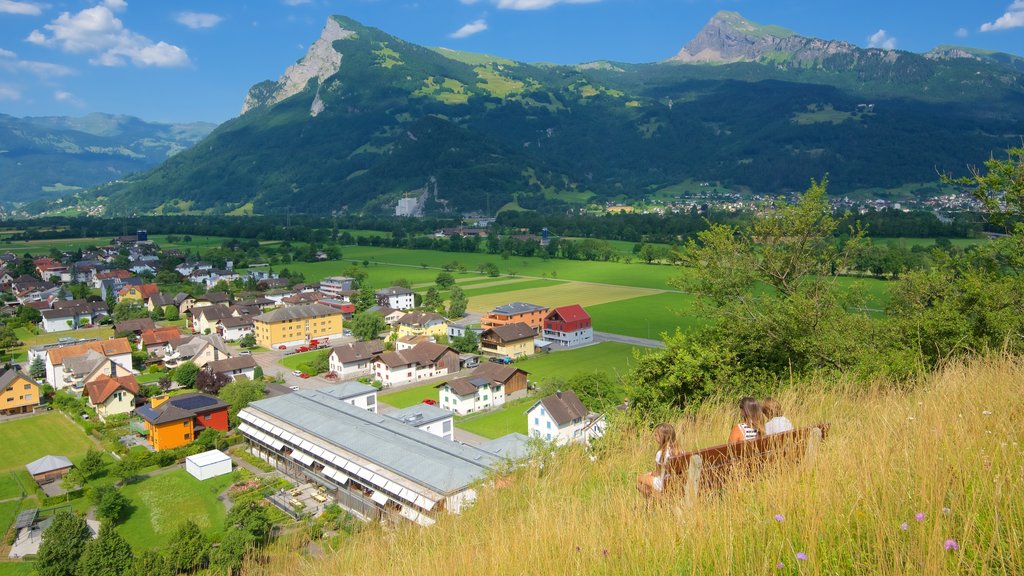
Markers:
point(62, 546)
point(108, 555)
point(445, 280)
point(186, 374)
point(127, 468)
point(251, 518)
point(457, 303)
point(171, 313)
point(469, 342)
point(211, 382)
point(1000, 186)
point(232, 550)
point(239, 394)
point(92, 464)
point(109, 501)
point(404, 283)
point(366, 298)
point(37, 369)
point(8, 338)
point(29, 315)
point(597, 390)
point(189, 549)
point(247, 341)
point(211, 439)
point(489, 268)
point(72, 480)
point(432, 300)
point(150, 563)
point(367, 325)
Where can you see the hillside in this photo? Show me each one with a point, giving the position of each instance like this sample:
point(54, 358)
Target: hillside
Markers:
point(45, 157)
point(366, 117)
point(949, 451)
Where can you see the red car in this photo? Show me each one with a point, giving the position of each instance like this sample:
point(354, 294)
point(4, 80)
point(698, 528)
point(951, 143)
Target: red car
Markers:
point(429, 401)
point(282, 347)
point(302, 349)
point(304, 375)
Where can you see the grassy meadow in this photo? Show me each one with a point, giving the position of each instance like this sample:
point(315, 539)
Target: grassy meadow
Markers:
point(918, 482)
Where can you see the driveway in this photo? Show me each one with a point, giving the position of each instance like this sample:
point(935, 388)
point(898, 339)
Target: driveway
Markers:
point(631, 340)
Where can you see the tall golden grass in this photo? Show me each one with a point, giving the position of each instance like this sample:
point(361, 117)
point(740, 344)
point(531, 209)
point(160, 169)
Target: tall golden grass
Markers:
point(899, 475)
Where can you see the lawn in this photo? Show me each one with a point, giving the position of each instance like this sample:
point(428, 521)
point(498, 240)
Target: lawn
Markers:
point(29, 439)
point(510, 417)
point(301, 360)
point(646, 316)
point(160, 503)
point(9, 486)
point(23, 568)
point(409, 396)
point(611, 357)
point(30, 337)
point(563, 294)
point(510, 286)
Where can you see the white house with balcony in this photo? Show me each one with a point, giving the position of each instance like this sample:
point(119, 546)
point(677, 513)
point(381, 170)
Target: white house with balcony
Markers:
point(470, 394)
point(561, 418)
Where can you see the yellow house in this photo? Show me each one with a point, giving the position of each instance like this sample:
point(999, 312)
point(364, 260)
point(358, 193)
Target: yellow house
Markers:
point(18, 393)
point(421, 324)
point(297, 325)
point(140, 293)
point(513, 340)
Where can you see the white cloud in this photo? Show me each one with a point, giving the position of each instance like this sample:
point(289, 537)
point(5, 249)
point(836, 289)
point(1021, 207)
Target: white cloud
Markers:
point(24, 8)
point(474, 27)
point(68, 98)
point(961, 32)
point(469, 1)
point(116, 5)
point(537, 4)
point(1012, 18)
point(97, 30)
point(9, 92)
point(882, 39)
point(197, 20)
point(7, 54)
point(38, 69)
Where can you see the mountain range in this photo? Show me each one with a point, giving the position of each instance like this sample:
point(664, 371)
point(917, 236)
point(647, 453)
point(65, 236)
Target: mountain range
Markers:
point(365, 118)
point(44, 157)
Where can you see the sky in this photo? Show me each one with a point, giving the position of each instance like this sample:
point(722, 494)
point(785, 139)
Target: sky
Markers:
point(194, 60)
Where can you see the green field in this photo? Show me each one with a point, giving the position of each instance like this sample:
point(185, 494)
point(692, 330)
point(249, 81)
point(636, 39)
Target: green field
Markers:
point(910, 243)
point(499, 288)
point(299, 361)
point(23, 568)
point(29, 439)
point(611, 357)
point(160, 503)
point(9, 486)
point(646, 316)
point(508, 418)
point(409, 396)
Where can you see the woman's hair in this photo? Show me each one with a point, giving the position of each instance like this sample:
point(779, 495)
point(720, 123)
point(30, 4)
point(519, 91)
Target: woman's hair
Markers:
point(665, 435)
point(751, 415)
point(771, 408)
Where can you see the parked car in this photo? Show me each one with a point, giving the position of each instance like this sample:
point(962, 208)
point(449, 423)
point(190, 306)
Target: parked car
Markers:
point(303, 375)
point(429, 401)
point(297, 373)
point(282, 347)
point(245, 353)
point(500, 360)
point(302, 349)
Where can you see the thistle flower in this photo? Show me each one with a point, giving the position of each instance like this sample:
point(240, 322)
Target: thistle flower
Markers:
point(919, 516)
point(951, 545)
point(801, 556)
point(780, 565)
point(946, 511)
point(904, 526)
point(779, 517)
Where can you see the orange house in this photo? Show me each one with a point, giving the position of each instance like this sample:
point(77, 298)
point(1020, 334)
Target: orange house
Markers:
point(530, 314)
point(18, 392)
point(175, 421)
point(141, 292)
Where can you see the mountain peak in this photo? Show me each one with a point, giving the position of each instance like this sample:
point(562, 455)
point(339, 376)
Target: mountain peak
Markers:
point(729, 37)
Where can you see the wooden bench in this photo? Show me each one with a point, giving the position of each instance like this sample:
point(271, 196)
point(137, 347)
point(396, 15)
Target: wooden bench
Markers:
point(710, 468)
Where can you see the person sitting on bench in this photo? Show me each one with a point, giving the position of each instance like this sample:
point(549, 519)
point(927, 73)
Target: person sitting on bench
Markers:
point(751, 426)
point(650, 482)
point(775, 422)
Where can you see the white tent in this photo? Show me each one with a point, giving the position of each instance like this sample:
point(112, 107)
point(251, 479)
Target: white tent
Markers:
point(208, 464)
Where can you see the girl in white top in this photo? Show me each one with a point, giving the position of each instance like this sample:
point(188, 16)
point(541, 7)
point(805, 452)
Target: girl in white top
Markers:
point(776, 422)
point(650, 482)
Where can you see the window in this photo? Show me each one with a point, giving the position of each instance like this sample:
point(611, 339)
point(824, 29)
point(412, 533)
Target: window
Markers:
point(28, 396)
point(536, 421)
point(446, 426)
point(371, 400)
point(185, 423)
point(542, 412)
point(549, 436)
point(485, 398)
point(28, 386)
point(549, 425)
point(187, 436)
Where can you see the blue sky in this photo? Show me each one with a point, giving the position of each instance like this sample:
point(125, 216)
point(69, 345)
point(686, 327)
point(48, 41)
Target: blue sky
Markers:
point(183, 61)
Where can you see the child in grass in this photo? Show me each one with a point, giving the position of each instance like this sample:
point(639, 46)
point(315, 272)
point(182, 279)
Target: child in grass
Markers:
point(751, 426)
point(775, 422)
point(650, 482)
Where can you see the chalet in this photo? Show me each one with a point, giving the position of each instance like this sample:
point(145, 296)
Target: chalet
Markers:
point(112, 395)
point(19, 393)
point(355, 359)
point(213, 299)
point(425, 360)
point(205, 318)
point(512, 340)
point(561, 418)
point(568, 327)
point(234, 368)
point(141, 293)
point(72, 365)
point(72, 315)
point(142, 267)
point(158, 338)
point(513, 379)
point(176, 421)
point(198, 349)
point(530, 314)
point(112, 286)
point(396, 297)
point(420, 323)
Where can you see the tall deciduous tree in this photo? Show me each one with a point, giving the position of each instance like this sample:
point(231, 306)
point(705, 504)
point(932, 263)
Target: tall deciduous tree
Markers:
point(108, 555)
point(150, 563)
point(62, 546)
point(367, 325)
point(189, 548)
point(457, 303)
point(239, 394)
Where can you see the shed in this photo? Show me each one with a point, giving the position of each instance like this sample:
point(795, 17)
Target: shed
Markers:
point(208, 464)
point(49, 469)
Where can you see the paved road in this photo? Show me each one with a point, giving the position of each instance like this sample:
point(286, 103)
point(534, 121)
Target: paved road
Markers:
point(633, 341)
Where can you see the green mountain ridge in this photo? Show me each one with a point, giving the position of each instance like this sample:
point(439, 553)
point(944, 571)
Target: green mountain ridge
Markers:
point(366, 117)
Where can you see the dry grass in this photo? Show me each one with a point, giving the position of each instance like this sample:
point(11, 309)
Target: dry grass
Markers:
point(582, 293)
point(954, 444)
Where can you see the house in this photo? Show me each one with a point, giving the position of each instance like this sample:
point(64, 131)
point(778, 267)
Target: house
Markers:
point(142, 267)
point(354, 393)
point(390, 315)
point(297, 325)
point(396, 297)
point(114, 285)
point(568, 327)
point(160, 301)
point(212, 299)
point(234, 368)
point(302, 298)
point(530, 314)
point(512, 340)
point(458, 329)
point(187, 268)
point(337, 287)
point(174, 421)
point(200, 349)
point(69, 366)
point(110, 395)
point(49, 469)
point(141, 293)
point(215, 276)
point(234, 327)
point(561, 418)
point(422, 323)
point(19, 393)
point(72, 315)
point(512, 378)
point(205, 318)
point(373, 466)
point(348, 309)
point(423, 361)
point(136, 326)
point(428, 418)
point(151, 340)
point(355, 359)
point(117, 274)
point(470, 394)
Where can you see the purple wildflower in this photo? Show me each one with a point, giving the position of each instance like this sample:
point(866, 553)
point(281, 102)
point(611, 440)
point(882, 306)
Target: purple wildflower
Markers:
point(904, 526)
point(779, 517)
point(946, 511)
point(951, 545)
point(780, 565)
point(919, 516)
point(801, 556)
point(605, 552)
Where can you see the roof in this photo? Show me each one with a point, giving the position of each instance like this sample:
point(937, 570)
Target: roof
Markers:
point(104, 386)
point(181, 407)
point(513, 308)
point(513, 446)
point(207, 458)
point(146, 290)
point(214, 297)
point(110, 347)
point(357, 351)
point(497, 372)
point(8, 376)
point(160, 335)
point(69, 310)
point(236, 321)
point(512, 332)
point(422, 353)
point(420, 318)
point(347, 390)
point(299, 312)
point(303, 298)
point(189, 346)
point(212, 312)
point(394, 291)
point(137, 325)
point(391, 447)
point(419, 415)
point(569, 313)
point(48, 464)
point(162, 300)
point(231, 364)
point(564, 407)
point(467, 385)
